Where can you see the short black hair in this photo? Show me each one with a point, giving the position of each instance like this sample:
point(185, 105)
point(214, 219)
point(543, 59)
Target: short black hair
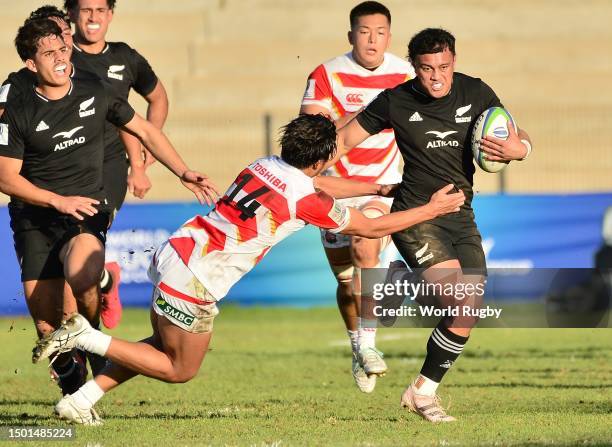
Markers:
point(72, 4)
point(368, 9)
point(429, 41)
point(307, 140)
point(30, 34)
point(47, 12)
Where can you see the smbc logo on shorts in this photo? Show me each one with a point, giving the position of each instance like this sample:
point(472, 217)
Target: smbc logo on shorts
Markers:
point(174, 313)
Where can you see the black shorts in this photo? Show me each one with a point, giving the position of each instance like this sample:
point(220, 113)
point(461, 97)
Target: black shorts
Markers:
point(39, 238)
point(115, 182)
point(429, 243)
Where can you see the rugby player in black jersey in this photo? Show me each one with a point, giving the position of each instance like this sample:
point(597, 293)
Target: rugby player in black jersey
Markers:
point(51, 164)
point(69, 371)
point(122, 68)
point(432, 117)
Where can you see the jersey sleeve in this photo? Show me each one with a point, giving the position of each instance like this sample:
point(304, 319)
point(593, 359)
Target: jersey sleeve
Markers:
point(376, 116)
point(321, 210)
point(145, 78)
point(318, 89)
point(119, 111)
point(489, 98)
point(11, 136)
point(15, 85)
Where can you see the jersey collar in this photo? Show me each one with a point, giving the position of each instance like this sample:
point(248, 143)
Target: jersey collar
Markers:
point(377, 70)
point(80, 50)
point(44, 98)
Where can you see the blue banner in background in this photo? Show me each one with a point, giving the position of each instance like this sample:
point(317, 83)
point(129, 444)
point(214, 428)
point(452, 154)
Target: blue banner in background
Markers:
point(519, 231)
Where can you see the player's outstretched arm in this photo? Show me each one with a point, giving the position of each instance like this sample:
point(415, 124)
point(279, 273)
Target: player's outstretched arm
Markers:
point(15, 185)
point(159, 145)
point(341, 188)
point(441, 202)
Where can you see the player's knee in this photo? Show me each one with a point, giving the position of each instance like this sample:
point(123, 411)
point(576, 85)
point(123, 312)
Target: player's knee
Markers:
point(182, 375)
point(344, 275)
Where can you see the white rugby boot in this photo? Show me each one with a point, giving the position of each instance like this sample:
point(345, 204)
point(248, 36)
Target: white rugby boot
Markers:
point(364, 382)
point(372, 361)
point(428, 407)
point(62, 339)
point(68, 410)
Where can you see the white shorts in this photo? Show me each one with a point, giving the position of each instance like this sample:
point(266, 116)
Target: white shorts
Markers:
point(337, 240)
point(179, 296)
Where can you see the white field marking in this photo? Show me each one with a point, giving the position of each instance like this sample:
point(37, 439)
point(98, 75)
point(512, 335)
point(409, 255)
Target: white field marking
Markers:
point(381, 337)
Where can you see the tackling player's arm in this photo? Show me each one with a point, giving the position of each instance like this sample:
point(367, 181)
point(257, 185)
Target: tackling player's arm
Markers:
point(341, 188)
point(13, 184)
point(441, 202)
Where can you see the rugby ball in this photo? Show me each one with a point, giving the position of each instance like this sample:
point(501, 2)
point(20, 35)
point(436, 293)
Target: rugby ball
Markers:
point(492, 122)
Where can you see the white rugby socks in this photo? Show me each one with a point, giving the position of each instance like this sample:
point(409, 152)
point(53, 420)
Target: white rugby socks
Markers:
point(87, 396)
point(425, 386)
point(354, 337)
point(94, 341)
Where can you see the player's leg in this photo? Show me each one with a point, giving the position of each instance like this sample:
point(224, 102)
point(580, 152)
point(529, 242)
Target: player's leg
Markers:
point(43, 282)
point(337, 250)
point(45, 299)
point(83, 260)
point(430, 247)
point(115, 186)
point(173, 354)
point(365, 253)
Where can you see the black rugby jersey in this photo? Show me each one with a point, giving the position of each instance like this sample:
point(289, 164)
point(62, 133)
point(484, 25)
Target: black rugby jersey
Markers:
point(121, 68)
point(61, 142)
point(433, 135)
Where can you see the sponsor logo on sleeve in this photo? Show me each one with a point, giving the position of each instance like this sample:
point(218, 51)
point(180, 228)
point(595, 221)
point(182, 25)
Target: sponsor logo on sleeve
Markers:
point(310, 89)
point(338, 213)
point(4, 91)
point(4, 134)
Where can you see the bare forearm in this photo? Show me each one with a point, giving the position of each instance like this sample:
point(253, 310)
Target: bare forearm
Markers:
point(341, 188)
point(18, 187)
point(375, 228)
point(162, 150)
point(133, 147)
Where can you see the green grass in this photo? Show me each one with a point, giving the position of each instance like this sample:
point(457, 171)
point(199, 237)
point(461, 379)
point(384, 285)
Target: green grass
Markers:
point(282, 377)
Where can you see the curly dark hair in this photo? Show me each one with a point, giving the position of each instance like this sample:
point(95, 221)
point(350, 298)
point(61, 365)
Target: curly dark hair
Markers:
point(430, 40)
point(367, 9)
point(73, 4)
point(47, 12)
point(307, 140)
point(30, 34)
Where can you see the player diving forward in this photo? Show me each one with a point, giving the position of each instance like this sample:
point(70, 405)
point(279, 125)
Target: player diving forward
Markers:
point(269, 200)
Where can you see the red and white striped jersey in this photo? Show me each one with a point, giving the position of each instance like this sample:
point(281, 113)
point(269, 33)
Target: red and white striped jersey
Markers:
point(267, 202)
point(342, 86)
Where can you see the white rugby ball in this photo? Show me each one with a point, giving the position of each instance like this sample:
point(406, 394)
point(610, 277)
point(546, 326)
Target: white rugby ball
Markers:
point(492, 122)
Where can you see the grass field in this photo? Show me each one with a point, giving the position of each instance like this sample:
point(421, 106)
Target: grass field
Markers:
point(281, 377)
